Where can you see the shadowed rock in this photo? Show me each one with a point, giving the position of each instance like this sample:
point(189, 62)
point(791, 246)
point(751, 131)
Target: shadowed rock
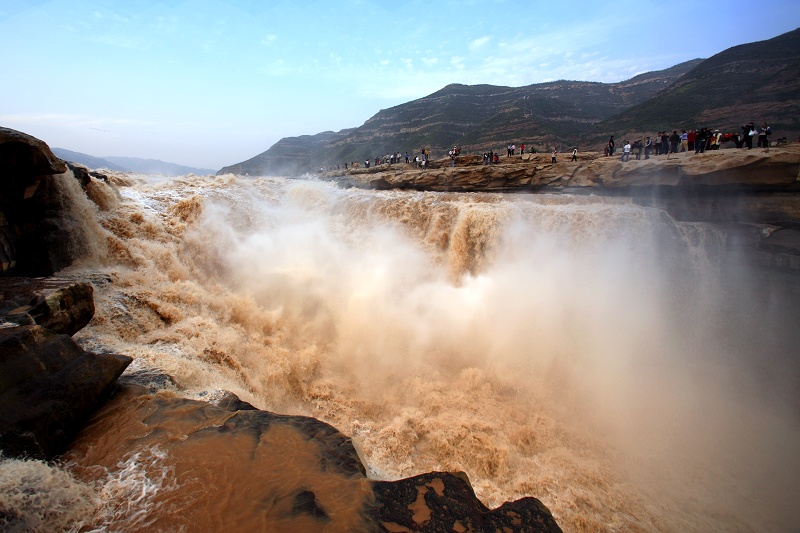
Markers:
point(25, 158)
point(35, 229)
point(444, 502)
point(48, 388)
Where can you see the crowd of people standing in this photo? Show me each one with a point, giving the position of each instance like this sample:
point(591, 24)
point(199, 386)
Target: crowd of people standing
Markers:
point(662, 143)
point(665, 143)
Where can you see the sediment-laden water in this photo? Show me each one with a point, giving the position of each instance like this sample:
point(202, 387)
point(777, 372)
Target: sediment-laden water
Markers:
point(629, 370)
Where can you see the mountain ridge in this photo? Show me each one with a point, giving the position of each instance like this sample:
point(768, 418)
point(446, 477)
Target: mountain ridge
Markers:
point(727, 77)
point(129, 164)
point(460, 114)
point(723, 92)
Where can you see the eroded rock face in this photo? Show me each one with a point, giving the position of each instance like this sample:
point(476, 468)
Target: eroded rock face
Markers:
point(34, 233)
point(59, 305)
point(48, 388)
point(284, 473)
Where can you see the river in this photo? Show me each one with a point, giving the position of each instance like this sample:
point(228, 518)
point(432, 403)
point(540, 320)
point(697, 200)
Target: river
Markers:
point(630, 370)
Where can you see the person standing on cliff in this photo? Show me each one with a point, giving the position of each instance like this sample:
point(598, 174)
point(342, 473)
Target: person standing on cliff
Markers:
point(626, 152)
point(521, 148)
point(574, 154)
point(674, 142)
point(647, 145)
point(763, 138)
point(553, 156)
point(700, 141)
point(767, 134)
point(748, 132)
point(611, 145)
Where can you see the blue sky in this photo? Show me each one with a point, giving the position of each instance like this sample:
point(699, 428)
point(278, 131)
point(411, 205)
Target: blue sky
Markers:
point(211, 83)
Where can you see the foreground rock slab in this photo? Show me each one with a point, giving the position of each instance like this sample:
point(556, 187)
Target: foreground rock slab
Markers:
point(252, 470)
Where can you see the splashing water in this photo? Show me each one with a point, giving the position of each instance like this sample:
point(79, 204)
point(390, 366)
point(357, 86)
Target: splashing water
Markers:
point(586, 351)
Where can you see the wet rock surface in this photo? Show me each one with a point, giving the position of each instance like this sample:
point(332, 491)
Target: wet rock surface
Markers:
point(59, 305)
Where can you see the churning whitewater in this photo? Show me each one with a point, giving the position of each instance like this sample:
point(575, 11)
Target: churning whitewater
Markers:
point(595, 354)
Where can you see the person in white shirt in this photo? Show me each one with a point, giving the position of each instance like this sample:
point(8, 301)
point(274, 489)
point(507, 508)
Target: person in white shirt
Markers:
point(626, 152)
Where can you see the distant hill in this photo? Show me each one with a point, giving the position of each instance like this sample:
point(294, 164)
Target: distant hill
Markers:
point(475, 117)
point(130, 164)
point(84, 159)
point(758, 81)
point(154, 166)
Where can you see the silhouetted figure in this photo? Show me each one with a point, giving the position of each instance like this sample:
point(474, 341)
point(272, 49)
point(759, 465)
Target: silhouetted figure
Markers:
point(748, 132)
point(637, 145)
point(763, 136)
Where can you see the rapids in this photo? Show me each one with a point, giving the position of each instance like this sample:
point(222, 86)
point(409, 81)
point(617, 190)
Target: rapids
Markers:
point(629, 370)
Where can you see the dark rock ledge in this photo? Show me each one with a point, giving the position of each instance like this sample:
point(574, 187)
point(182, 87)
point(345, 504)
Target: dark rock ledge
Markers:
point(292, 473)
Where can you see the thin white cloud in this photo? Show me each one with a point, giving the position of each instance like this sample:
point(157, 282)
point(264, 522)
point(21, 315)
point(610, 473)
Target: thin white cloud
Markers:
point(478, 43)
point(269, 39)
point(430, 61)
